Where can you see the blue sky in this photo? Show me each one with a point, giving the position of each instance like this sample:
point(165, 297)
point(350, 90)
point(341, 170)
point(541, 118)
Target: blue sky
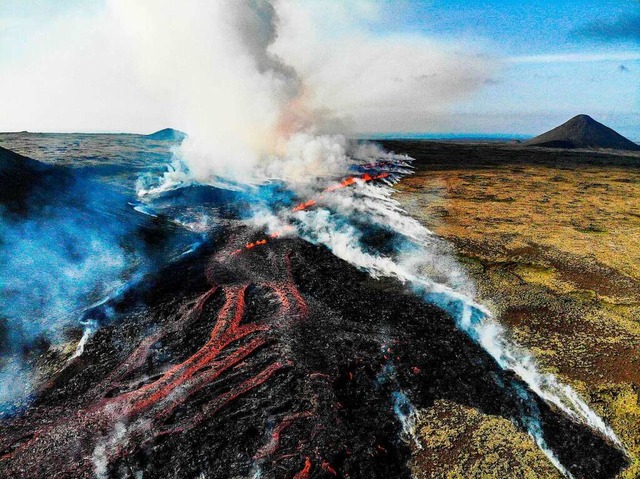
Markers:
point(556, 58)
point(593, 66)
point(516, 27)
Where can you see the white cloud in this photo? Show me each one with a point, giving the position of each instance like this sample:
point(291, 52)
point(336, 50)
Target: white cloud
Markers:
point(577, 58)
point(140, 66)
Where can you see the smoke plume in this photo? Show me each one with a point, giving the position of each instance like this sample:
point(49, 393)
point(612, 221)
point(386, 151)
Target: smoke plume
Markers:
point(261, 97)
point(262, 91)
point(240, 103)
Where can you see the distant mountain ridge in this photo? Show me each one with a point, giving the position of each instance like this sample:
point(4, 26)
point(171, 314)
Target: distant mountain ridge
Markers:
point(167, 134)
point(582, 131)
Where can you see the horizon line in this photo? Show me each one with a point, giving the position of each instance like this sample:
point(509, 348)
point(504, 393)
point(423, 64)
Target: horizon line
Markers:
point(352, 135)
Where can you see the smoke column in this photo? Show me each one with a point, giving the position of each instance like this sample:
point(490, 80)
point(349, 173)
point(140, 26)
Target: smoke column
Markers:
point(244, 109)
point(266, 89)
point(425, 263)
point(249, 119)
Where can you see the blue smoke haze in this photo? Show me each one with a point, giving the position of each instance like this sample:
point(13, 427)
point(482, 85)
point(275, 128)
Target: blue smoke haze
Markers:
point(76, 242)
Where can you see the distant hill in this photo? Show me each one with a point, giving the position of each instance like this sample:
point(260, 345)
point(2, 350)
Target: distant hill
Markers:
point(30, 188)
point(21, 177)
point(168, 134)
point(582, 131)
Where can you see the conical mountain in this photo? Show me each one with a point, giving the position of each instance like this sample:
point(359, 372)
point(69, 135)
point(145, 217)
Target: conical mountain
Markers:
point(582, 131)
point(167, 134)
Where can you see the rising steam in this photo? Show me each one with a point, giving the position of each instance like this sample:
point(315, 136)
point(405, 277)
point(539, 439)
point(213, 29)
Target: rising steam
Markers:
point(242, 106)
point(226, 72)
point(255, 119)
point(262, 87)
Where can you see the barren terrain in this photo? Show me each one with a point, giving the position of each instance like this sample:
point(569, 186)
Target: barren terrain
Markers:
point(552, 239)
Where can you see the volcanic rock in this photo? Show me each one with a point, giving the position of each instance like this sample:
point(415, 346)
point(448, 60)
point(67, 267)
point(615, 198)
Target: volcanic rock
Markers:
point(582, 131)
point(283, 369)
point(22, 177)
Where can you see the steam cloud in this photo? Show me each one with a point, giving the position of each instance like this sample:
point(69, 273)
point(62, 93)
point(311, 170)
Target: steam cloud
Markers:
point(52, 267)
point(240, 78)
point(249, 115)
point(260, 91)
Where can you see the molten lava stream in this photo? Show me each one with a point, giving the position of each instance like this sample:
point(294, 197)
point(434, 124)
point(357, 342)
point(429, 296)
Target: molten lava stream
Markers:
point(272, 446)
point(305, 205)
point(144, 410)
point(304, 472)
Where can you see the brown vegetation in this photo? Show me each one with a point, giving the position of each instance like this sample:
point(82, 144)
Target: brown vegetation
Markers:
point(553, 244)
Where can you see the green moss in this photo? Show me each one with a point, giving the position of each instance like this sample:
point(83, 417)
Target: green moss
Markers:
point(460, 442)
point(557, 264)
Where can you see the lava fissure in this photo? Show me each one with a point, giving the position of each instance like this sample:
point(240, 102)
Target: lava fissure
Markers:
point(146, 407)
point(286, 379)
point(305, 205)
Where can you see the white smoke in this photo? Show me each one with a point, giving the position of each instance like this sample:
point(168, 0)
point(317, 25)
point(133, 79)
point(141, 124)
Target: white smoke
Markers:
point(432, 271)
point(16, 383)
point(262, 86)
point(249, 80)
point(408, 416)
point(244, 108)
point(116, 439)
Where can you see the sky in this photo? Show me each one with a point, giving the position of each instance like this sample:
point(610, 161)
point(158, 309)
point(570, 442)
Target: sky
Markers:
point(492, 66)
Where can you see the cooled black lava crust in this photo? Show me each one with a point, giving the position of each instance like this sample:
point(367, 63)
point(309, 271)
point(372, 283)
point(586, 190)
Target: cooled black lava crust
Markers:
point(308, 391)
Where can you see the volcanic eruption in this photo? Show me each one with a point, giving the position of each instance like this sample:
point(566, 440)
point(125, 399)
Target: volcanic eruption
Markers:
point(304, 328)
point(273, 357)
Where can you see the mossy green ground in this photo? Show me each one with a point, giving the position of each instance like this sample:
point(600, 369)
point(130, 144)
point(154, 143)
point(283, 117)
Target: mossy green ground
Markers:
point(555, 252)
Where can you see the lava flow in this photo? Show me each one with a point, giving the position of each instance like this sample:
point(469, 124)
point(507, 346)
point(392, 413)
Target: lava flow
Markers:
point(147, 405)
point(366, 177)
point(274, 364)
point(272, 369)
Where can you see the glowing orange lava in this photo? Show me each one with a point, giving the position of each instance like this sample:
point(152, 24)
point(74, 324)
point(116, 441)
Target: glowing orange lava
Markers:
point(366, 177)
point(148, 408)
